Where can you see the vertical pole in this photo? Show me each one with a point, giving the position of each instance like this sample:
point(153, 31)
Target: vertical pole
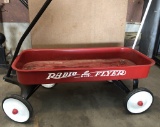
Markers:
point(142, 23)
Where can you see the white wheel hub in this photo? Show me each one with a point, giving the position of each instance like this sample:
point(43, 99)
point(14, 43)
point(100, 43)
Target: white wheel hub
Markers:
point(16, 110)
point(139, 102)
point(49, 85)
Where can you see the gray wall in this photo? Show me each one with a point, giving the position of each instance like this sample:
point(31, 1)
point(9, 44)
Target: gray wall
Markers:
point(149, 31)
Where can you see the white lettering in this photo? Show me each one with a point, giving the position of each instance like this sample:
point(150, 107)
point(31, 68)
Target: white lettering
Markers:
point(113, 73)
point(70, 74)
point(103, 73)
point(50, 75)
point(74, 73)
point(110, 73)
point(58, 75)
point(61, 75)
point(98, 73)
point(122, 72)
point(86, 74)
point(65, 74)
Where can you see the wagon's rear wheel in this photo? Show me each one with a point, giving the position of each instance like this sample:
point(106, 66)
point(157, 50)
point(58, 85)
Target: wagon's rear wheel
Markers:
point(17, 108)
point(138, 101)
point(49, 85)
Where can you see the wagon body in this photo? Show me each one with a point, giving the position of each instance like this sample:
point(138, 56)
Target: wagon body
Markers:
point(44, 66)
point(47, 67)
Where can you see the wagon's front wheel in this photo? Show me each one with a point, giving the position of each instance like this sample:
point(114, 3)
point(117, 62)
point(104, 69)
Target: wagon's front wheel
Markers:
point(17, 108)
point(138, 101)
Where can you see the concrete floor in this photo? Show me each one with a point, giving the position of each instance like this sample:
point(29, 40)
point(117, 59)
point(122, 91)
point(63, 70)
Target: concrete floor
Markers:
point(94, 104)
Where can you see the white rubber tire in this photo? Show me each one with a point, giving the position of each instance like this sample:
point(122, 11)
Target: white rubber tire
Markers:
point(22, 114)
point(48, 86)
point(139, 100)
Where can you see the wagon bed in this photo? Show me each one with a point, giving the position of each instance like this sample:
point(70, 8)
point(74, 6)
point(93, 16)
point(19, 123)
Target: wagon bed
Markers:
point(84, 63)
point(74, 65)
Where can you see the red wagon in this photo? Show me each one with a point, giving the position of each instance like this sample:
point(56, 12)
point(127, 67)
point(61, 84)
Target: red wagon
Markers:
point(36, 67)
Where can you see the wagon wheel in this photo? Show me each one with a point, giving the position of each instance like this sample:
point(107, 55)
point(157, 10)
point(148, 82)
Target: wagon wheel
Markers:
point(49, 85)
point(17, 108)
point(139, 100)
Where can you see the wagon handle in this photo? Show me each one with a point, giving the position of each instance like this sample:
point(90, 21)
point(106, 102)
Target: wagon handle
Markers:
point(32, 24)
